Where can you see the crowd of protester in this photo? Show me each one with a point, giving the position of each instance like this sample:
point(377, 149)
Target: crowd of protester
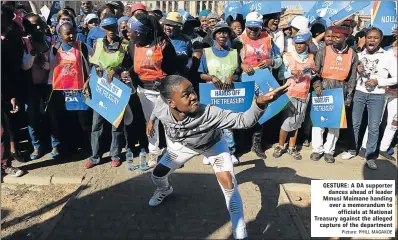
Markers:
point(142, 47)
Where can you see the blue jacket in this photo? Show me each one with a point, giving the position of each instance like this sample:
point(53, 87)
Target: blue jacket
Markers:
point(93, 35)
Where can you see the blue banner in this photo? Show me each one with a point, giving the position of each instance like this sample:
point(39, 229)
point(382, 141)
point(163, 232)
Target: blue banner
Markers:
point(323, 10)
point(55, 7)
point(108, 100)
point(353, 7)
point(385, 16)
point(238, 99)
point(245, 7)
point(328, 110)
point(265, 82)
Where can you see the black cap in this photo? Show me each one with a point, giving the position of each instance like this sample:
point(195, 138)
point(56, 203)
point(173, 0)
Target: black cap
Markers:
point(117, 4)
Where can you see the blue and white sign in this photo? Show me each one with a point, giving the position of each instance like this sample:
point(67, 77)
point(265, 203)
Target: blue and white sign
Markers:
point(353, 7)
point(245, 7)
point(328, 110)
point(323, 10)
point(238, 99)
point(265, 82)
point(384, 16)
point(108, 99)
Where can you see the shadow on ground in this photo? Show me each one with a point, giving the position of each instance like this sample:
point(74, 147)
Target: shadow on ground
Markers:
point(196, 209)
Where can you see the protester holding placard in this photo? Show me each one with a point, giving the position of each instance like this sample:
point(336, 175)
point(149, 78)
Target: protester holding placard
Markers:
point(337, 66)
point(257, 50)
point(300, 64)
point(219, 65)
point(68, 76)
point(375, 73)
point(153, 58)
point(193, 129)
point(110, 56)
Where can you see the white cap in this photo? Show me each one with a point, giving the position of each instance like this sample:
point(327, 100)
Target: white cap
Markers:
point(300, 22)
point(254, 19)
point(90, 16)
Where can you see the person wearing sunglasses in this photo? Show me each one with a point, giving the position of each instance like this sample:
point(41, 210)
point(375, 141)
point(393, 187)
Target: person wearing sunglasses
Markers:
point(91, 21)
point(257, 50)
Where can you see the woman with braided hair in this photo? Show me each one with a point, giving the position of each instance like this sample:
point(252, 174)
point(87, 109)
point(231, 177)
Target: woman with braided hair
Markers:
point(153, 58)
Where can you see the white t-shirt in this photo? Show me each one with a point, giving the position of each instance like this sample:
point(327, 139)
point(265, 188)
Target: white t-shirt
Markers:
point(381, 66)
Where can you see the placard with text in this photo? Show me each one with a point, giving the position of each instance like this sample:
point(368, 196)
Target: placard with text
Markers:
point(238, 99)
point(328, 110)
point(108, 99)
point(265, 82)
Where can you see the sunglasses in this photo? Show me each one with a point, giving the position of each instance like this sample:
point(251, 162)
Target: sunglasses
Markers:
point(93, 21)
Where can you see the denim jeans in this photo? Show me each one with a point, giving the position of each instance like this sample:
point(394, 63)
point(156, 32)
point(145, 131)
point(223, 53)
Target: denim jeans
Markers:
point(36, 97)
point(374, 104)
point(229, 138)
point(96, 135)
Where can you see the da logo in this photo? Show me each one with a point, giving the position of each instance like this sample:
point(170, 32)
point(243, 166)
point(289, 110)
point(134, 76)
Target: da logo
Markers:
point(71, 99)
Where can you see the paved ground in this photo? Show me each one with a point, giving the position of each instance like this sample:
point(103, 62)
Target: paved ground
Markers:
point(112, 202)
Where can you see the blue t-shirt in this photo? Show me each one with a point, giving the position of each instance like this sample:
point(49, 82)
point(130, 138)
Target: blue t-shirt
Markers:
point(94, 34)
point(203, 62)
point(183, 47)
point(66, 47)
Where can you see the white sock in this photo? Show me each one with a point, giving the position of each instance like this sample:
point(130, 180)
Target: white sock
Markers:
point(235, 209)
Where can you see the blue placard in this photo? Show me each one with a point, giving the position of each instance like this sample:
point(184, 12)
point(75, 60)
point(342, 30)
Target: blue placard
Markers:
point(245, 7)
point(353, 7)
point(238, 99)
point(328, 110)
point(265, 82)
point(385, 16)
point(108, 100)
point(323, 10)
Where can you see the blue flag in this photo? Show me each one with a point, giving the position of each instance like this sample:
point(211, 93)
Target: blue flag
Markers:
point(232, 8)
point(323, 10)
point(265, 82)
point(328, 110)
point(108, 100)
point(245, 7)
point(353, 7)
point(55, 7)
point(238, 99)
point(384, 16)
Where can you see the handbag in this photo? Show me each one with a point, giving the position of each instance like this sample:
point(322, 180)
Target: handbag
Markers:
point(75, 100)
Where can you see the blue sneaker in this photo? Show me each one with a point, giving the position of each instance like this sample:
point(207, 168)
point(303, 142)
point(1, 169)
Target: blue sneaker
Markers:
point(54, 154)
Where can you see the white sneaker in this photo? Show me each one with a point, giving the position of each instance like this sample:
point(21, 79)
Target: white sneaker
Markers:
point(347, 156)
point(235, 160)
point(159, 196)
point(206, 161)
